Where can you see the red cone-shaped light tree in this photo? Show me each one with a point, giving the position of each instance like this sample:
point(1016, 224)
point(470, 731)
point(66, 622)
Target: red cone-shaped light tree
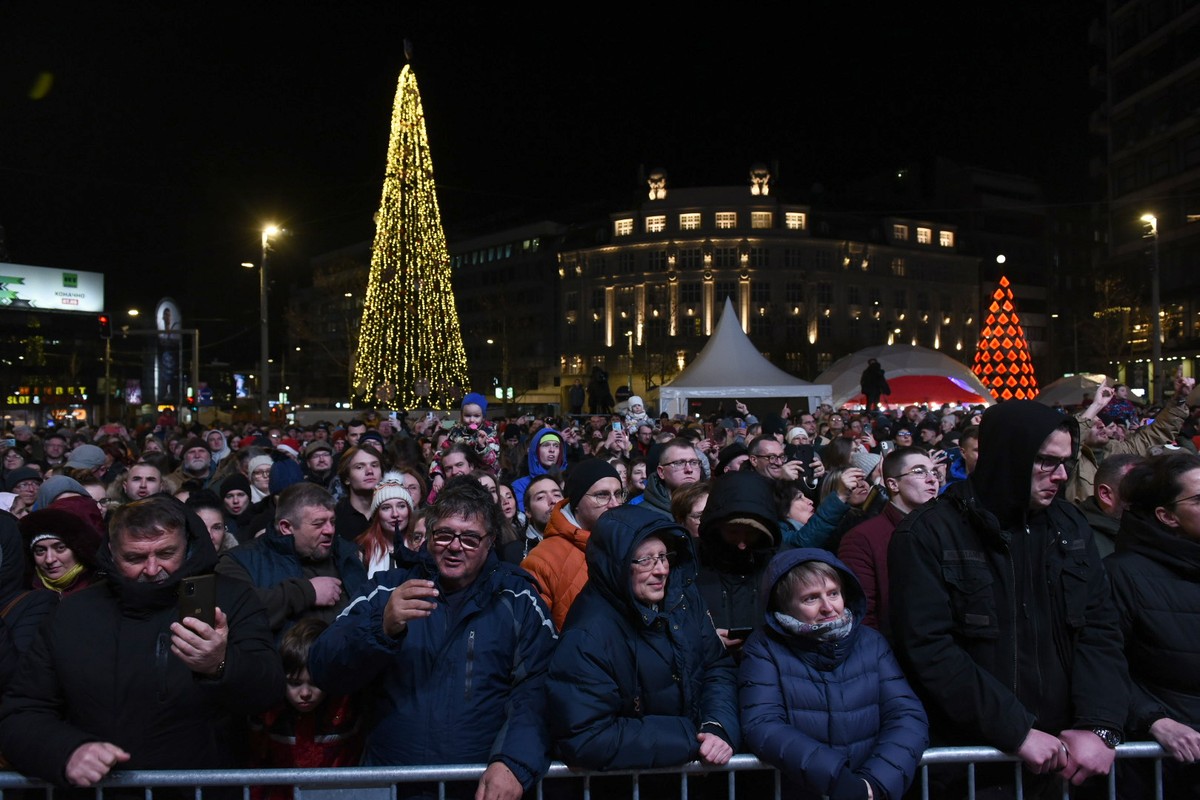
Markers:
point(1002, 361)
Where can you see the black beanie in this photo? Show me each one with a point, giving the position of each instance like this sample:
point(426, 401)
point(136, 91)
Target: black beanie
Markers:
point(235, 481)
point(584, 475)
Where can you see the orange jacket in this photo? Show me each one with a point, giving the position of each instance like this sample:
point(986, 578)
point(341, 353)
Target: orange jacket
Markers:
point(558, 562)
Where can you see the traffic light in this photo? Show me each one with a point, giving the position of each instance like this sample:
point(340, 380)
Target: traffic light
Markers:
point(105, 326)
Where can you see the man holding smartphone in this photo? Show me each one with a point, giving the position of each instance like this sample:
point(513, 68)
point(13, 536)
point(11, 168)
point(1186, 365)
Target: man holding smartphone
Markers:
point(98, 688)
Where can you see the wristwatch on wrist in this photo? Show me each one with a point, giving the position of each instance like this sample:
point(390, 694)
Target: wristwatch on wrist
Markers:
point(1110, 737)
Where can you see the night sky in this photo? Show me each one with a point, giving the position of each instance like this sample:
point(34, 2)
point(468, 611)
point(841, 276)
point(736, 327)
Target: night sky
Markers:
point(150, 142)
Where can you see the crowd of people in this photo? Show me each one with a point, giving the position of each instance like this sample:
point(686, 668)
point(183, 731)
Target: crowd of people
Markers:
point(832, 590)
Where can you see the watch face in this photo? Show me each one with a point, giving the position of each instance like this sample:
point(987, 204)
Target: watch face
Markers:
point(1110, 737)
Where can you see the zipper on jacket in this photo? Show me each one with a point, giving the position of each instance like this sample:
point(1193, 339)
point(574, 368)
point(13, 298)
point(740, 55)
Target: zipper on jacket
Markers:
point(470, 667)
point(1012, 569)
point(162, 650)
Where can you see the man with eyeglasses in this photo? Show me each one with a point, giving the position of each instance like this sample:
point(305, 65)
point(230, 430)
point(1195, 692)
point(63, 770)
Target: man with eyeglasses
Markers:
point(558, 561)
point(768, 460)
point(1002, 614)
point(678, 465)
point(909, 477)
point(456, 649)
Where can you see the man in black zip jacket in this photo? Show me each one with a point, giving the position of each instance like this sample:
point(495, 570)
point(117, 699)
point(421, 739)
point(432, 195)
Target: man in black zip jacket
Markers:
point(1001, 611)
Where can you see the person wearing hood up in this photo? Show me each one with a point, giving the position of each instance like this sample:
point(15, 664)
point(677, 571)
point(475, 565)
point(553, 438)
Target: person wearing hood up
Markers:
point(1001, 611)
point(823, 698)
point(639, 678)
point(115, 678)
point(24, 607)
point(62, 547)
point(546, 453)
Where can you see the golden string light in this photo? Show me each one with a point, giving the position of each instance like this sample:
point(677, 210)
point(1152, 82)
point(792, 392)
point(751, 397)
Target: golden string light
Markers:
point(410, 350)
point(1002, 360)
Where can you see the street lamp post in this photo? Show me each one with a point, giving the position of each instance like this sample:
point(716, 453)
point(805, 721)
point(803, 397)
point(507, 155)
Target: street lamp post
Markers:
point(264, 367)
point(630, 384)
point(1156, 317)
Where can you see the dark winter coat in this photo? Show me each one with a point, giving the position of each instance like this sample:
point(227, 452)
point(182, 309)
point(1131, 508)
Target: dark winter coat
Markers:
point(631, 685)
point(1155, 575)
point(829, 714)
point(23, 608)
point(101, 669)
point(281, 577)
point(453, 688)
point(1002, 616)
point(729, 577)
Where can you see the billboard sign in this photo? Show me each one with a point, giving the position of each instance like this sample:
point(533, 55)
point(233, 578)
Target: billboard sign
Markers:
point(44, 289)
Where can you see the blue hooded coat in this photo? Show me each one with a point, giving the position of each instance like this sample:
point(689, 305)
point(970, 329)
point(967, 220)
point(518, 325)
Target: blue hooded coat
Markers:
point(829, 714)
point(535, 466)
point(630, 685)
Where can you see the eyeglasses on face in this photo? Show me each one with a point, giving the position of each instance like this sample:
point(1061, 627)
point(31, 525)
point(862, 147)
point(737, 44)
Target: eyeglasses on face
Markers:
point(1193, 499)
point(444, 537)
point(604, 498)
point(1050, 464)
point(919, 472)
point(775, 458)
point(689, 463)
point(647, 563)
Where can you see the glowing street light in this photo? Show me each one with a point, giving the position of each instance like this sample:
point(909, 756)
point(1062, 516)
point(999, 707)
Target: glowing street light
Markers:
point(1156, 314)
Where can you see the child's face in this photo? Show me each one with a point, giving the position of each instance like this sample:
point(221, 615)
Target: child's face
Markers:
point(302, 694)
point(637, 408)
point(472, 414)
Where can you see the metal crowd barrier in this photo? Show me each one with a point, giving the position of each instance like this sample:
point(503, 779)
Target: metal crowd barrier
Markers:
point(386, 783)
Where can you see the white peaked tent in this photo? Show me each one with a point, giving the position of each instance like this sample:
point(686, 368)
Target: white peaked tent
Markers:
point(916, 375)
point(730, 366)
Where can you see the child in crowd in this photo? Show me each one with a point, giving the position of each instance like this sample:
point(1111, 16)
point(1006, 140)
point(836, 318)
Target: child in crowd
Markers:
point(473, 429)
point(311, 729)
point(635, 415)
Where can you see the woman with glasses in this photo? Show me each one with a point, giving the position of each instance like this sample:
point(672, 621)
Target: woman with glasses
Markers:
point(639, 678)
point(1155, 576)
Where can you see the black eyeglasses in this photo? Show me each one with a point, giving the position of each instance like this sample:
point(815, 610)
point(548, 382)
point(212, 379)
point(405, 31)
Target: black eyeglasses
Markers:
point(1193, 499)
point(604, 498)
point(681, 463)
point(647, 563)
point(1050, 464)
point(443, 537)
point(774, 459)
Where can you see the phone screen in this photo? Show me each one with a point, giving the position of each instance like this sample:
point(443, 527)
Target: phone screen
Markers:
point(617, 426)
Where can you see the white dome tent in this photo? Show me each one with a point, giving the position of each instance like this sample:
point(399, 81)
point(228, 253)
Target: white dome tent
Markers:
point(916, 376)
point(730, 366)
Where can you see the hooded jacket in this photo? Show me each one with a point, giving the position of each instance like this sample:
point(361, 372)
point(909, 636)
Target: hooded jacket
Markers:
point(829, 714)
point(729, 577)
point(535, 466)
point(465, 685)
point(1155, 576)
point(1001, 615)
point(558, 562)
point(632, 685)
point(101, 669)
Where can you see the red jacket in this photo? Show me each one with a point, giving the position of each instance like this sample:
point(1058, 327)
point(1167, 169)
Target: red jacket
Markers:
point(864, 549)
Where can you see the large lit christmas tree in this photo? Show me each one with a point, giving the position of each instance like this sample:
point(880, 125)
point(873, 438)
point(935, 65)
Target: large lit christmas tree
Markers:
point(1002, 361)
point(410, 349)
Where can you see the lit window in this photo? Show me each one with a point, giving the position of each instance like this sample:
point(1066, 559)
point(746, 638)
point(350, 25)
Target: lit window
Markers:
point(656, 224)
point(946, 238)
point(623, 227)
point(689, 222)
point(761, 219)
point(900, 233)
point(794, 220)
point(924, 236)
point(726, 220)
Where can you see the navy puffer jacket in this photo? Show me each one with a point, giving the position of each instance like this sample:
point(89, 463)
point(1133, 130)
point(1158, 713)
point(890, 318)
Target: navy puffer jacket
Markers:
point(614, 699)
point(829, 715)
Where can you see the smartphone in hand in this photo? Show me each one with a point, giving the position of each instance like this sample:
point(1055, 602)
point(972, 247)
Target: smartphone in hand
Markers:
point(198, 598)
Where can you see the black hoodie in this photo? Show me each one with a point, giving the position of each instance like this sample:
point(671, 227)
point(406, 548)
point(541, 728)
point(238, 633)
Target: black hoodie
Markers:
point(1002, 616)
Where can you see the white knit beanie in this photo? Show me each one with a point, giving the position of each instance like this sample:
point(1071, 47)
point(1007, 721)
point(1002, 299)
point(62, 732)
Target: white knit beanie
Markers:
point(390, 488)
point(256, 462)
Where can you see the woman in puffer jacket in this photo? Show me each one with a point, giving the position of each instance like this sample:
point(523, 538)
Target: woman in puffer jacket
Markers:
point(639, 678)
point(822, 697)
